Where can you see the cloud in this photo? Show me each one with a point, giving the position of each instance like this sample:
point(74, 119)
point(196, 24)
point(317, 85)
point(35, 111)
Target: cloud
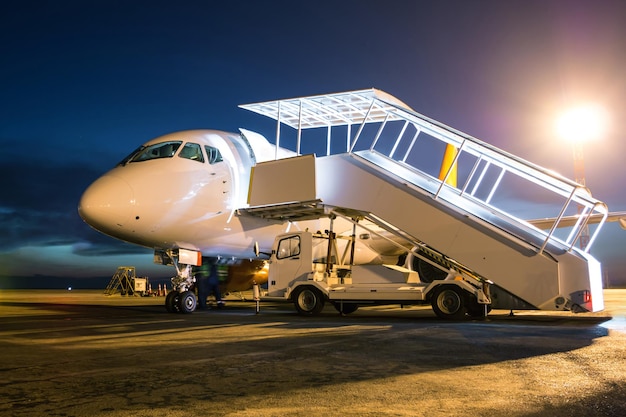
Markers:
point(40, 199)
point(40, 229)
point(108, 247)
point(70, 261)
point(39, 206)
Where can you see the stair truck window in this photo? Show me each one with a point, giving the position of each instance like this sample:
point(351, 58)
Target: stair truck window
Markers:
point(156, 151)
point(213, 154)
point(192, 151)
point(288, 247)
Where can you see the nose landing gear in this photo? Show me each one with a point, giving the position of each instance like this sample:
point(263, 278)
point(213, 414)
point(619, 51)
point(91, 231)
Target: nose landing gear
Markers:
point(182, 299)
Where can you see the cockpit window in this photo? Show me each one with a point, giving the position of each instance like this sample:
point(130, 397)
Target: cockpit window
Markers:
point(131, 155)
point(192, 151)
point(159, 150)
point(213, 154)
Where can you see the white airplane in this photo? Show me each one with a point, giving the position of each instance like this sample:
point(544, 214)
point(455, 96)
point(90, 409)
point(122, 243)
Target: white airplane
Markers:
point(184, 194)
point(179, 194)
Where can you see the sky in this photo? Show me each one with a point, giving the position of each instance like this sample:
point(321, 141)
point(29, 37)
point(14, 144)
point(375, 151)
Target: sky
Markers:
point(83, 83)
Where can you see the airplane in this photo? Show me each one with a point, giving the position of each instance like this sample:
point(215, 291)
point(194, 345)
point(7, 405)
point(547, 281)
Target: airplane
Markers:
point(181, 194)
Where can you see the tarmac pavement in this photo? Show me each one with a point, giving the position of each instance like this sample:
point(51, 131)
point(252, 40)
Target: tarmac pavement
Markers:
point(80, 353)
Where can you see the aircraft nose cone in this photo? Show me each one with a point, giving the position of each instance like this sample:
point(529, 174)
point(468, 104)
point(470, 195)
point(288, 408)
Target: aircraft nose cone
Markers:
point(106, 204)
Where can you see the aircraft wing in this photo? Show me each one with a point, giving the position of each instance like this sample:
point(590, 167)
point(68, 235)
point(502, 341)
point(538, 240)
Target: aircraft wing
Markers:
point(567, 221)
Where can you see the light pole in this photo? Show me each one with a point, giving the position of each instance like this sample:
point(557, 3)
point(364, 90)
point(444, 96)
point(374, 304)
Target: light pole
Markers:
point(579, 177)
point(579, 125)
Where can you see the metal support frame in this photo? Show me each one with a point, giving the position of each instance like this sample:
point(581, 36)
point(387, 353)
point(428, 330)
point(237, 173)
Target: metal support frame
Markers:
point(374, 106)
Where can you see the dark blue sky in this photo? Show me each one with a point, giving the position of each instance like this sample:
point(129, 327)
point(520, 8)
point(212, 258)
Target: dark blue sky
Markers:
point(85, 82)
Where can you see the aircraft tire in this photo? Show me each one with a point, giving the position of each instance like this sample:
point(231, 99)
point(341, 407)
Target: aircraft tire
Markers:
point(346, 308)
point(187, 302)
point(171, 302)
point(308, 300)
point(449, 302)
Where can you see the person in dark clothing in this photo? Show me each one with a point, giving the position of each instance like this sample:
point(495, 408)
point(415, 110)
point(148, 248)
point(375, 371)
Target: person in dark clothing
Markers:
point(202, 283)
point(214, 285)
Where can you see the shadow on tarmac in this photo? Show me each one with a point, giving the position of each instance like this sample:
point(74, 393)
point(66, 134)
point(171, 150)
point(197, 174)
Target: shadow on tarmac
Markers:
point(108, 351)
point(502, 337)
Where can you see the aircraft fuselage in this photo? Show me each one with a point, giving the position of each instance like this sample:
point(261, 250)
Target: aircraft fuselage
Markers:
point(176, 202)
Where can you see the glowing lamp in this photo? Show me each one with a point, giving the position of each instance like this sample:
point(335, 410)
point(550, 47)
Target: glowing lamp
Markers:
point(582, 123)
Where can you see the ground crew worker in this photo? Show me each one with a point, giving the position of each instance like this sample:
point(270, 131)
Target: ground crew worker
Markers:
point(214, 285)
point(202, 283)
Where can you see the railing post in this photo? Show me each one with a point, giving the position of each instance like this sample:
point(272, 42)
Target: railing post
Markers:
point(356, 137)
point(410, 148)
point(454, 161)
point(380, 130)
point(398, 139)
point(471, 174)
point(600, 224)
point(495, 186)
point(299, 129)
point(278, 121)
point(556, 222)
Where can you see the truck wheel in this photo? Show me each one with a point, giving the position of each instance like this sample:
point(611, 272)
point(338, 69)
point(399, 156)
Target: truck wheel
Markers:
point(346, 308)
point(187, 302)
point(309, 301)
point(171, 302)
point(449, 302)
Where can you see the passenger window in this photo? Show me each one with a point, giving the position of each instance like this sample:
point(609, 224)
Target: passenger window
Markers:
point(159, 150)
point(288, 247)
point(213, 154)
point(192, 151)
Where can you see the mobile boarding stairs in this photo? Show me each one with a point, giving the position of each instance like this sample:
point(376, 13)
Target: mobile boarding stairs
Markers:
point(386, 168)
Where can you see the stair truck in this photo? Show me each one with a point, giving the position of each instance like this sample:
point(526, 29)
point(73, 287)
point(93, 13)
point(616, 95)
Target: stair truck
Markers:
point(305, 268)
